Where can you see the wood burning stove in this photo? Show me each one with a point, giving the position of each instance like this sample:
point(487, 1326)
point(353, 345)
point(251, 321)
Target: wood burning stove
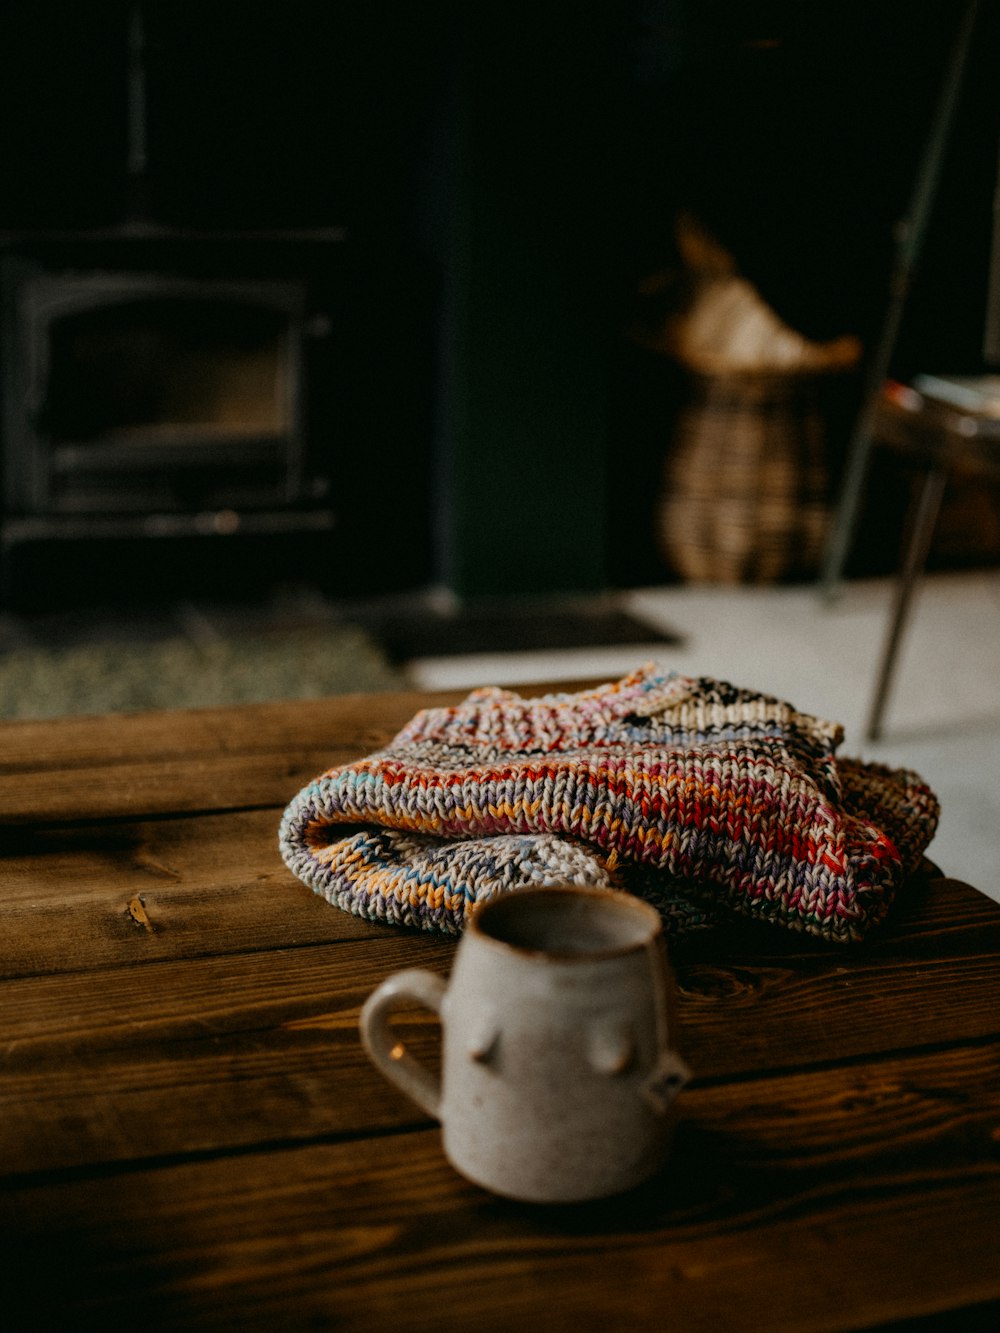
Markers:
point(156, 375)
point(189, 342)
point(152, 403)
point(137, 393)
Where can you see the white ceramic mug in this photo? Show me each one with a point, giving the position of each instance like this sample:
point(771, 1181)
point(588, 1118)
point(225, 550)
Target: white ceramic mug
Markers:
point(558, 1073)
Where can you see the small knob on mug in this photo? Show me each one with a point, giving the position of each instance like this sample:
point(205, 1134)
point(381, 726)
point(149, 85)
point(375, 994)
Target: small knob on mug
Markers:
point(484, 1036)
point(611, 1047)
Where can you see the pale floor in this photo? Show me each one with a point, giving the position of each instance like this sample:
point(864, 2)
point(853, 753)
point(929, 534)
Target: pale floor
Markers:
point(943, 716)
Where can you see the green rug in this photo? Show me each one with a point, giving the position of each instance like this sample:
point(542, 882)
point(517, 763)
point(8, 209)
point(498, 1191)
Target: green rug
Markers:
point(115, 677)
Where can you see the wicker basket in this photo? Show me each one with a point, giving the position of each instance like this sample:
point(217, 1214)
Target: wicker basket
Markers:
point(745, 486)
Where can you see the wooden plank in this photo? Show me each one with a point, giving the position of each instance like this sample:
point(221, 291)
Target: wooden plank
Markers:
point(203, 1087)
point(201, 759)
point(86, 896)
point(136, 764)
point(228, 1054)
point(748, 1017)
point(826, 1002)
point(383, 1234)
point(218, 1051)
point(166, 786)
point(61, 744)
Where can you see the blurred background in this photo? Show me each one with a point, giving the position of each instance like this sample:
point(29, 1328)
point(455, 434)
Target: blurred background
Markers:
point(346, 346)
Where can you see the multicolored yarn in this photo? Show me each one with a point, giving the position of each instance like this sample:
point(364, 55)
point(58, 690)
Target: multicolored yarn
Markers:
point(706, 799)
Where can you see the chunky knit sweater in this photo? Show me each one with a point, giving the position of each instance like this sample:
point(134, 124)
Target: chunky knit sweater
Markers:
point(709, 800)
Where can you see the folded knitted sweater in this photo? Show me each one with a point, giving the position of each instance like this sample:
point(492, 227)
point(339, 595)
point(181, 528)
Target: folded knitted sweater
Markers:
point(709, 800)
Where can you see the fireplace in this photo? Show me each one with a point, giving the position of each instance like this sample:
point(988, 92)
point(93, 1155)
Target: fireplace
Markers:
point(205, 297)
point(155, 370)
point(138, 394)
point(165, 401)
point(220, 291)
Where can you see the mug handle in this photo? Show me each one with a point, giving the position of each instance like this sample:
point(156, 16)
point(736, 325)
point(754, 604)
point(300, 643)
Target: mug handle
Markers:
point(383, 1045)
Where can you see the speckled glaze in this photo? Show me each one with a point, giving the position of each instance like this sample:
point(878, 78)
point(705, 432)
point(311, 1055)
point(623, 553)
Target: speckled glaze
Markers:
point(558, 1072)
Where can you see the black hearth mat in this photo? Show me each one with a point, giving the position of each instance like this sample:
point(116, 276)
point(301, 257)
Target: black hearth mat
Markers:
point(414, 633)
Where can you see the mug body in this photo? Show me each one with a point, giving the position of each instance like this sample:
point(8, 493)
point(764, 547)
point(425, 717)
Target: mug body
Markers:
point(556, 1031)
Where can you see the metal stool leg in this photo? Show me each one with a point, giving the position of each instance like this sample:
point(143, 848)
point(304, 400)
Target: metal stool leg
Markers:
point(923, 518)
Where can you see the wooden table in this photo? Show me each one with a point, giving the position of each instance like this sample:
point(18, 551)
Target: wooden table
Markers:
point(191, 1136)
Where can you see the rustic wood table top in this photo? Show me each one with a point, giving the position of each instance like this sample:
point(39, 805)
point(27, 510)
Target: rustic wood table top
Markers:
point(191, 1136)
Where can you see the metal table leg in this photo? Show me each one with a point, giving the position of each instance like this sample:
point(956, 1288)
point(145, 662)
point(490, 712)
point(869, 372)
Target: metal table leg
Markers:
point(923, 519)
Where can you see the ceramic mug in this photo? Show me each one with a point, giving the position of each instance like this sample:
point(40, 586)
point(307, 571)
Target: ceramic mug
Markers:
point(558, 1075)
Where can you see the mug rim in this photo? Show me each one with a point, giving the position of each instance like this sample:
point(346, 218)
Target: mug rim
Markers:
point(627, 901)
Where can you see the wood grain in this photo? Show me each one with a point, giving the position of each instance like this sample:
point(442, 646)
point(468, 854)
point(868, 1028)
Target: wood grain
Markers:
point(134, 764)
point(96, 896)
point(191, 1136)
point(384, 1235)
point(201, 759)
point(218, 1050)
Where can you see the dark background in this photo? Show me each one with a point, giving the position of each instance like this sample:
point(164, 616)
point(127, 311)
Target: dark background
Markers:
point(506, 173)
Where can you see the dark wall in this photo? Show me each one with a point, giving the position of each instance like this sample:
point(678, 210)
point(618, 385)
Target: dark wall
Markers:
point(795, 130)
point(303, 113)
point(507, 172)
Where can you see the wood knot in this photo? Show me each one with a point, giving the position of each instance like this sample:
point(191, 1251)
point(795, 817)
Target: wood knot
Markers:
point(136, 909)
